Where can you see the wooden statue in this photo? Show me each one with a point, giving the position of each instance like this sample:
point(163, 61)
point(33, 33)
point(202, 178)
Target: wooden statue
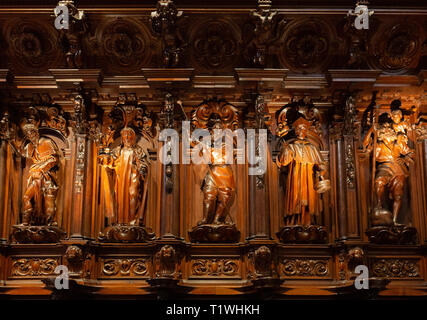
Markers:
point(304, 160)
point(387, 139)
point(124, 172)
point(130, 166)
point(306, 172)
point(219, 186)
point(38, 224)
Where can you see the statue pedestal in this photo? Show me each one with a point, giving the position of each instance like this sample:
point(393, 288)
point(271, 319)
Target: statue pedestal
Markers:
point(303, 234)
point(211, 233)
point(36, 234)
point(125, 233)
point(392, 235)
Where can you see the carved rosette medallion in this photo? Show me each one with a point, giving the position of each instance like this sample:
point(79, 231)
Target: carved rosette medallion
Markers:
point(215, 45)
point(33, 267)
point(296, 267)
point(126, 44)
point(120, 268)
point(213, 267)
point(306, 46)
point(33, 46)
point(397, 47)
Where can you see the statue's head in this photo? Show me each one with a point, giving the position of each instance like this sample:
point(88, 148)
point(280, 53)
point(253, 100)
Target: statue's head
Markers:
point(128, 136)
point(396, 116)
point(31, 133)
point(301, 126)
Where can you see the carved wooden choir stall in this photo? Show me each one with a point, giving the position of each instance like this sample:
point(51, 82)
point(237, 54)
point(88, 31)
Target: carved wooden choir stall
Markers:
point(106, 105)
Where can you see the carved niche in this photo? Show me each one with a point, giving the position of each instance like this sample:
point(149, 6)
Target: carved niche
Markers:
point(124, 159)
point(215, 45)
point(388, 145)
point(38, 135)
point(397, 46)
point(218, 181)
point(304, 172)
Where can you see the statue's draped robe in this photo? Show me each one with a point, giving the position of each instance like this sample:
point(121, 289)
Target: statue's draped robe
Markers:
point(300, 195)
point(127, 163)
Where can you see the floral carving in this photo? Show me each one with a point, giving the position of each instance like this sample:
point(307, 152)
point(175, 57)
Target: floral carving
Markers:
point(305, 267)
point(215, 267)
point(306, 46)
point(215, 45)
point(397, 47)
point(396, 268)
point(125, 267)
point(25, 267)
point(126, 44)
point(31, 46)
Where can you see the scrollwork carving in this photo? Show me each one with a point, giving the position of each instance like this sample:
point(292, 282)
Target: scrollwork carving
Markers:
point(396, 268)
point(305, 267)
point(33, 267)
point(214, 267)
point(125, 267)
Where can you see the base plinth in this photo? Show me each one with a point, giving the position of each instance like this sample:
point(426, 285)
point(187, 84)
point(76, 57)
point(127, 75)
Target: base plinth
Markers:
point(211, 233)
point(36, 234)
point(125, 233)
point(392, 235)
point(303, 234)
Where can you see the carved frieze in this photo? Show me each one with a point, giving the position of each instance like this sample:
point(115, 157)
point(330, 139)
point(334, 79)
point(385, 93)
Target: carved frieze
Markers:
point(304, 267)
point(401, 268)
point(126, 267)
point(34, 267)
point(215, 267)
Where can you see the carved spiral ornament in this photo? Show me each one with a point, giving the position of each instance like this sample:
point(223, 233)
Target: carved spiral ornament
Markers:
point(302, 267)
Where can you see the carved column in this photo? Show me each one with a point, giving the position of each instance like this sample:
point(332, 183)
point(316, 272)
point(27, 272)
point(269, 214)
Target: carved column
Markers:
point(3, 187)
point(82, 153)
point(259, 213)
point(169, 198)
point(343, 135)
